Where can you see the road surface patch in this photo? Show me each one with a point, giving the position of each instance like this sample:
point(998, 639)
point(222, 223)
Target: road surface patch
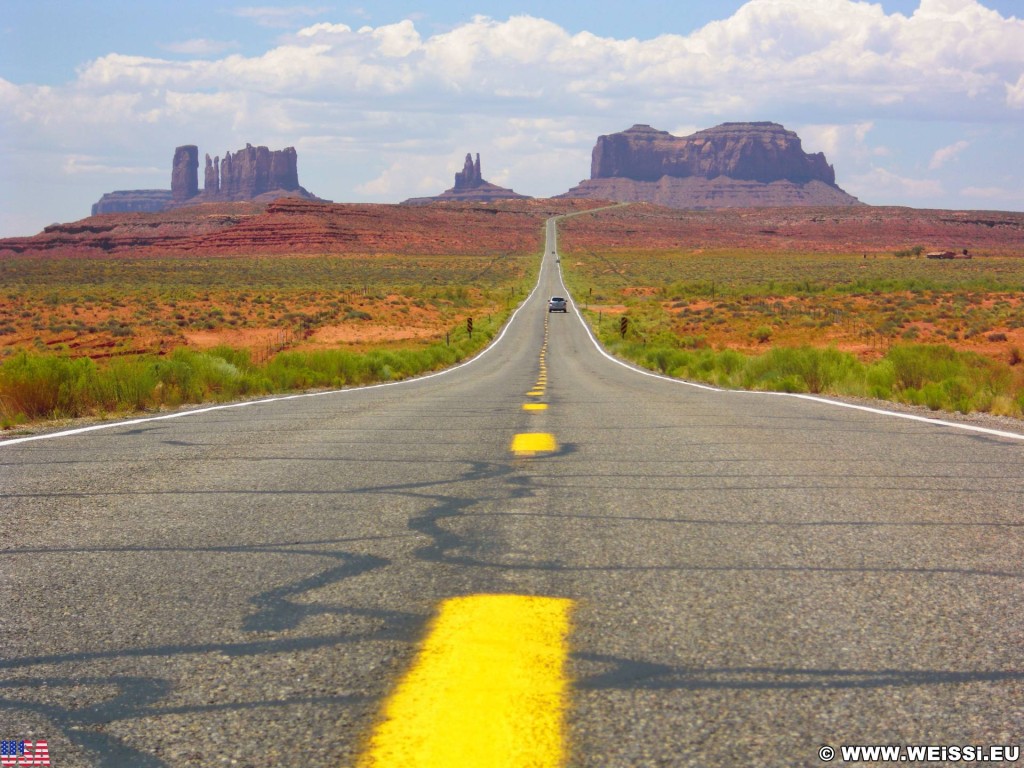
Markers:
point(488, 688)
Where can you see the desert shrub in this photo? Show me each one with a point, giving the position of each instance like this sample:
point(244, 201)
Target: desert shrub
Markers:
point(802, 369)
point(879, 379)
point(934, 376)
point(43, 385)
point(915, 364)
point(37, 386)
point(665, 359)
point(917, 250)
point(940, 377)
point(126, 384)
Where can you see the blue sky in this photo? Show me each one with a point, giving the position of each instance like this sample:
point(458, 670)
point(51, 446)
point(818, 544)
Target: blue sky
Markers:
point(915, 102)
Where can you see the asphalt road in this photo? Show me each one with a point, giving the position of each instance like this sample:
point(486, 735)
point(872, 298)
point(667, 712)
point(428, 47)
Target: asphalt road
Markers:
point(752, 576)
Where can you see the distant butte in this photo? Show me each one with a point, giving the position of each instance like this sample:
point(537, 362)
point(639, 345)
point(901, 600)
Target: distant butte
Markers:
point(253, 173)
point(470, 187)
point(733, 165)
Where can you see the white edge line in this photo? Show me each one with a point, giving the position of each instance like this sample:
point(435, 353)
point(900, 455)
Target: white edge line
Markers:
point(755, 393)
point(280, 398)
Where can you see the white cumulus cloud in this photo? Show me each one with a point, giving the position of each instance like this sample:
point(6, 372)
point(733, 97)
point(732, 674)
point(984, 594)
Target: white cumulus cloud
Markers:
point(829, 55)
point(1015, 93)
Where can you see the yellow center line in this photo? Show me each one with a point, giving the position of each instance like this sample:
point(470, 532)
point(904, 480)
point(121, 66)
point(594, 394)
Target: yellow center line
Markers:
point(488, 688)
point(535, 393)
point(532, 443)
point(535, 406)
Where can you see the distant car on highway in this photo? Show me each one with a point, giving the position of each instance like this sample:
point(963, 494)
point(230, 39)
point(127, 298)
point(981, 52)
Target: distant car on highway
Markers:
point(557, 304)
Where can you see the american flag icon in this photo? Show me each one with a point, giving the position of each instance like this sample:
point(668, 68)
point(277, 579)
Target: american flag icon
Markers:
point(21, 752)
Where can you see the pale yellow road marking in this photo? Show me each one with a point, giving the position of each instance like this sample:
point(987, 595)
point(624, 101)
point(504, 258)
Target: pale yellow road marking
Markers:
point(535, 392)
point(488, 689)
point(530, 443)
point(535, 406)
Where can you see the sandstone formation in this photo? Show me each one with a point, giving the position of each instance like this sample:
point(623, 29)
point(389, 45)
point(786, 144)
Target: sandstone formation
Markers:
point(211, 179)
point(185, 173)
point(253, 173)
point(469, 177)
point(133, 201)
point(700, 193)
point(731, 165)
point(470, 186)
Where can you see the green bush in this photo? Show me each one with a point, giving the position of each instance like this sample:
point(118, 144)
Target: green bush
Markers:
point(933, 376)
point(41, 386)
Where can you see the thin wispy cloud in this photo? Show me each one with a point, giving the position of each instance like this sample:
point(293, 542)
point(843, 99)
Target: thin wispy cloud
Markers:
point(278, 17)
point(201, 47)
point(84, 164)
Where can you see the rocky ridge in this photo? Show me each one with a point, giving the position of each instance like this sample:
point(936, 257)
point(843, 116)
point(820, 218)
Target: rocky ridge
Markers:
point(730, 165)
point(292, 225)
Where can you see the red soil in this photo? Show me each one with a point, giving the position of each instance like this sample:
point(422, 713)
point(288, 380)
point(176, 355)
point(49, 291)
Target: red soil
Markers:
point(852, 229)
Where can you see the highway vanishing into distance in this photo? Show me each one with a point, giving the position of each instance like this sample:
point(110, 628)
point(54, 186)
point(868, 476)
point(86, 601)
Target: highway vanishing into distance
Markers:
point(666, 575)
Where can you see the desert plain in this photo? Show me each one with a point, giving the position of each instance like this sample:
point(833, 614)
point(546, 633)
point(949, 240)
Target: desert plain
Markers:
point(298, 276)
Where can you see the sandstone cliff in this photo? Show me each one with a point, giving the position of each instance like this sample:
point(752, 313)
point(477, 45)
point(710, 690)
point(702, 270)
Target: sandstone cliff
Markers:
point(470, 186)
point(731, 165)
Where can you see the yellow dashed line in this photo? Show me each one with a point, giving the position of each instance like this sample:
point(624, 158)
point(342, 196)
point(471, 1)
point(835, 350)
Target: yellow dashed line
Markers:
point(532, 443)
point(535, 406)
point(488, 688)
point(535, 393)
